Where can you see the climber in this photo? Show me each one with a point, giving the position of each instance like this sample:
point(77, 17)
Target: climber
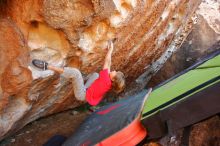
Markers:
point(97, 84)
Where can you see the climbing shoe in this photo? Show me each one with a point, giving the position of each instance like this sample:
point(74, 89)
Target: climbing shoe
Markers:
point(40, 64)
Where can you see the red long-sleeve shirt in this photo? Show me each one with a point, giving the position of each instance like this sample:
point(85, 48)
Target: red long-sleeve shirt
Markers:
point(98, 88)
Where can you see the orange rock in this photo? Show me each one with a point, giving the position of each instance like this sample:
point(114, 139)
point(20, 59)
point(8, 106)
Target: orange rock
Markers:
point(14, 74)
point(15, 77)
point(67, 15)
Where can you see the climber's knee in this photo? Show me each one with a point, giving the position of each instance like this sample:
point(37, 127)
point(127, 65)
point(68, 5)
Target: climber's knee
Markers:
point(80, 94)
point(91, 78)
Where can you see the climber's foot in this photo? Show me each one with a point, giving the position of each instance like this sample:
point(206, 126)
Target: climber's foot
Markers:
point(40, 64)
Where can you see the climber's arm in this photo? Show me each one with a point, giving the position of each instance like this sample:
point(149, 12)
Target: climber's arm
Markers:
point(107, 64)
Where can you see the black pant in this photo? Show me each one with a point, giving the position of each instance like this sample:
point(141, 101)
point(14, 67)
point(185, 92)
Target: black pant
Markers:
point(56, 140)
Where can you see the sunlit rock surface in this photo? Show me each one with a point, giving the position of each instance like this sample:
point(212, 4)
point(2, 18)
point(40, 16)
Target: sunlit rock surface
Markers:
point(75, 33)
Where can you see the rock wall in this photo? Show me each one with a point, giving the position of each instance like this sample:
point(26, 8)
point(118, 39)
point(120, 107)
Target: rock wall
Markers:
point(204, 35)
point(75, 33)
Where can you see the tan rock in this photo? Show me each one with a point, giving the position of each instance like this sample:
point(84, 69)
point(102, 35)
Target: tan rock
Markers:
point(96, 36)
point(67, 15)
point(47, 44)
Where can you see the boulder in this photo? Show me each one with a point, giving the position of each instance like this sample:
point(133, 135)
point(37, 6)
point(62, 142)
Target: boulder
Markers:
point(75, 33)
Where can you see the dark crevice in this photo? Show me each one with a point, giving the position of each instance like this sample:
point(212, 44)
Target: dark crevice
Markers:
point(34, 23)
point(3, 7)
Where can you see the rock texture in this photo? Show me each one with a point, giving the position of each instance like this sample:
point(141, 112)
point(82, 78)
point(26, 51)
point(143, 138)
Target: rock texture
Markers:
point(203, 133)
point(197, 44)
point(37, 133)
point(75, 33)
point(206, 133)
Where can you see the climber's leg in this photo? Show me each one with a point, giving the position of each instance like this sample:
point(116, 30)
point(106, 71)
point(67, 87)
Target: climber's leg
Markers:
point(91, 78)
point(77, 81)
point(68, 72)
point(43, 65)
